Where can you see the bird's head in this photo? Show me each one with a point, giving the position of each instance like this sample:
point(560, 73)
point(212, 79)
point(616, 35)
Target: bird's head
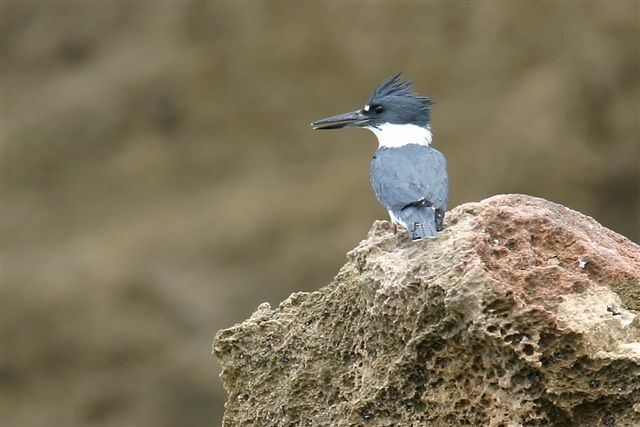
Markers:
point(393, 102)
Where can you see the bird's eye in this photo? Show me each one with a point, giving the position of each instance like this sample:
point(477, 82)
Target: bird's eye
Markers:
point(378, 109)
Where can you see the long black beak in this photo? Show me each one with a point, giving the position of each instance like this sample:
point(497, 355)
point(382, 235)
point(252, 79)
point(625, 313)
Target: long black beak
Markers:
point(353, 119)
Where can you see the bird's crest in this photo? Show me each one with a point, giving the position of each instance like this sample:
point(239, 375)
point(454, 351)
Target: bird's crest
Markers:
point(396, 86)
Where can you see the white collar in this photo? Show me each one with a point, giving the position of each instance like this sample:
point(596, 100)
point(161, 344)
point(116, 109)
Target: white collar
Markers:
point(394, 136)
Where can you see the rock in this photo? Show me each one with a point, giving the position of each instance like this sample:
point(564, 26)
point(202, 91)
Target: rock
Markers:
point(522, 312)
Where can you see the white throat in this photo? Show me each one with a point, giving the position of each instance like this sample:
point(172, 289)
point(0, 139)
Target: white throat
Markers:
point(394, 136)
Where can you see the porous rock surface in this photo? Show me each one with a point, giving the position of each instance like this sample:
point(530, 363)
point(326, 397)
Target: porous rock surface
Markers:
point(522, 312)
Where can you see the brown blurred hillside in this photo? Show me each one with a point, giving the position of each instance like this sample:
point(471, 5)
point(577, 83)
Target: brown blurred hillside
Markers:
point(160, 178)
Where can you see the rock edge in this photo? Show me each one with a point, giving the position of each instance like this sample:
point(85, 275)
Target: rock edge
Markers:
point(522, 312)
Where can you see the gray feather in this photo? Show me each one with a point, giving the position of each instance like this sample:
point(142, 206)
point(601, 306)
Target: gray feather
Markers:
point(411, 182)
point(420, 222)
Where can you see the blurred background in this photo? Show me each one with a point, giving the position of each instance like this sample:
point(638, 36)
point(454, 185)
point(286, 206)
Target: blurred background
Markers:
point(161, 180)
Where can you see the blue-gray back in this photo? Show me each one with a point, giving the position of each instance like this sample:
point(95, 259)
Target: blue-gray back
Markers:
point(401, 176)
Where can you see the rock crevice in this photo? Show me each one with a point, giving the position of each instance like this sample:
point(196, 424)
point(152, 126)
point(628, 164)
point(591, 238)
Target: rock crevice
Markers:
point(522, 312)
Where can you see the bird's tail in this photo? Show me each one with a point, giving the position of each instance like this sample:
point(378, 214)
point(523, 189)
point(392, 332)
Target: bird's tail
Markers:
point(421, 222)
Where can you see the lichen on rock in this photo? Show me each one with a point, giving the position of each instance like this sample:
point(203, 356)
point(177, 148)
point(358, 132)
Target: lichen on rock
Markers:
point(522, 312)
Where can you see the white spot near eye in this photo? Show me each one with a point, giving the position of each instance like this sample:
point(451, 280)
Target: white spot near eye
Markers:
point(367, 107)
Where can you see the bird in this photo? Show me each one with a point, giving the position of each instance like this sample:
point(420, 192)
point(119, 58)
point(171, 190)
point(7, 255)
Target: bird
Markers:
point(408, 176)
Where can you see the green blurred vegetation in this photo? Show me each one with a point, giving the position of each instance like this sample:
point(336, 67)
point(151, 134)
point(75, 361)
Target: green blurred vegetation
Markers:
point(160, 179)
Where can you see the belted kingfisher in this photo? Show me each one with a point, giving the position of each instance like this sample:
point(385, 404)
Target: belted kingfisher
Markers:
point(408, 177)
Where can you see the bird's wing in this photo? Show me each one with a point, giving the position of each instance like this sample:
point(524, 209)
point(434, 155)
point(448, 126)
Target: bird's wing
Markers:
point(409, 175)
